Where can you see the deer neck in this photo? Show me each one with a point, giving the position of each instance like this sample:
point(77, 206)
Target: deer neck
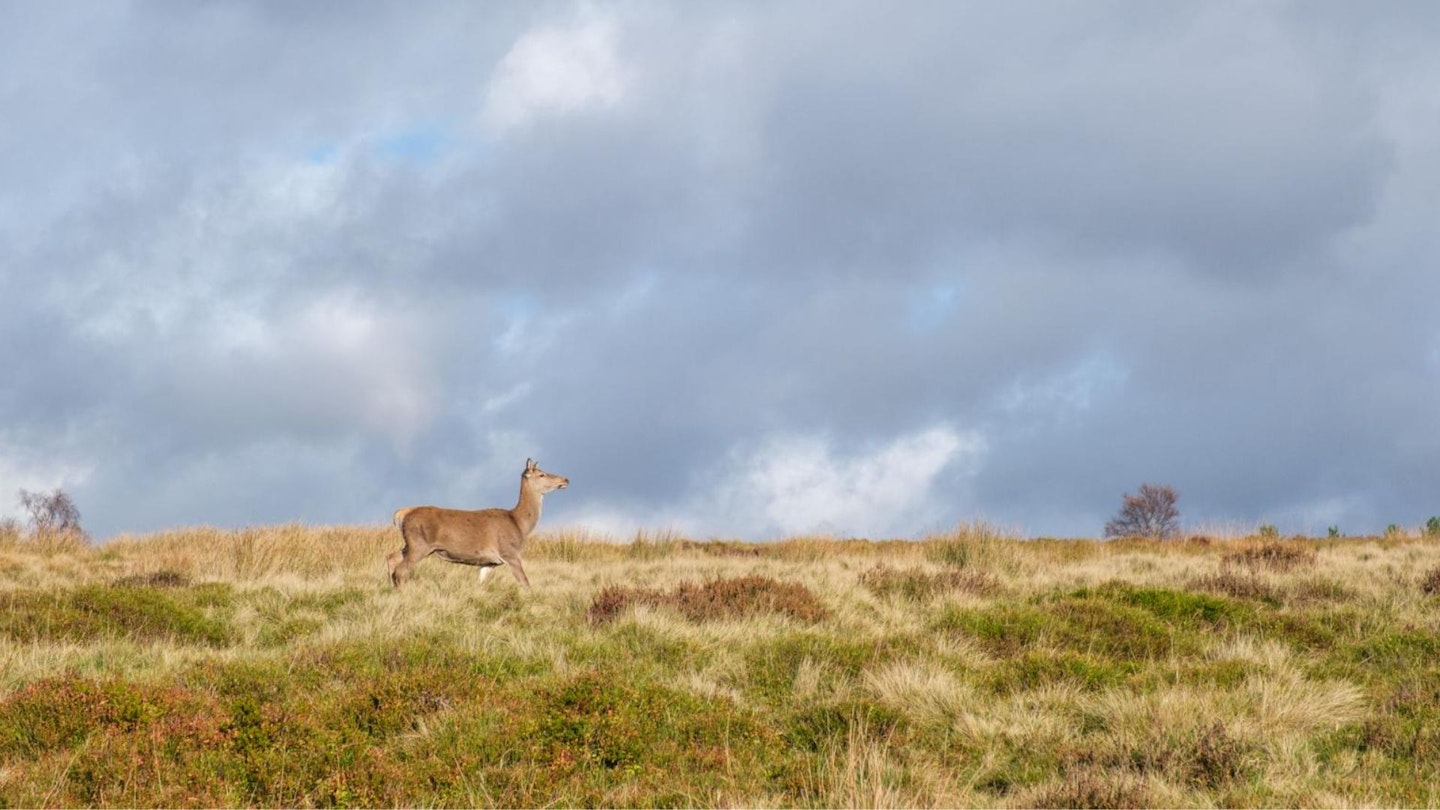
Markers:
point(527, 512)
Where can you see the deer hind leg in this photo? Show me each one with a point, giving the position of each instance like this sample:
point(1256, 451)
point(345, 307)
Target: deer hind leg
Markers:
point(403, 562)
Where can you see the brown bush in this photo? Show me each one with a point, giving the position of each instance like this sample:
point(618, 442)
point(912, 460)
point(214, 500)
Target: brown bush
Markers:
point(919, 585)
point(1219, 759)
point(729, 548)
point(717, 599)
point(1091, 789)
point(1430, 584)
point(153, 579)
point(1240, 586)
point(1276, 556)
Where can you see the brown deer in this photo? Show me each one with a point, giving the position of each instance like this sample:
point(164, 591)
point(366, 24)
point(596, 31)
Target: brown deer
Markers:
point(485, 537)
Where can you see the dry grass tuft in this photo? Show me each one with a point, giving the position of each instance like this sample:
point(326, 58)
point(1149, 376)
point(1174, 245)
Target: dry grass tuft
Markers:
point(976, 545)
point(45, 543)
point(719, 599)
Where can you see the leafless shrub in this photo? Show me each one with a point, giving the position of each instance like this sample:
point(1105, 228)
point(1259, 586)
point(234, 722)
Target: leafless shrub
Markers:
point(1152, 513)
point(52, 513)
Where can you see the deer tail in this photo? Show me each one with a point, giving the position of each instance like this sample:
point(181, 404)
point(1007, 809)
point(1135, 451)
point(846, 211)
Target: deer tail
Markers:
point(400, 514)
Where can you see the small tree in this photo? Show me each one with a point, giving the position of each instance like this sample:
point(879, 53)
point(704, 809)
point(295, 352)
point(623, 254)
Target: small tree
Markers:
point(1151, 513)
point(51, 512)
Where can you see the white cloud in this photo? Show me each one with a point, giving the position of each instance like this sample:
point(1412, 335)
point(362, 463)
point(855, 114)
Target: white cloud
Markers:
point(799, 485)
point(555, 70)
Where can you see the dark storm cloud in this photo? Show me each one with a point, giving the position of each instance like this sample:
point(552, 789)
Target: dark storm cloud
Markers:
point(734, 268)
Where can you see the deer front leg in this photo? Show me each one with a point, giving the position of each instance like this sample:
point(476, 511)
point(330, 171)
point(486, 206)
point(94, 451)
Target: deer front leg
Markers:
point(518, 570)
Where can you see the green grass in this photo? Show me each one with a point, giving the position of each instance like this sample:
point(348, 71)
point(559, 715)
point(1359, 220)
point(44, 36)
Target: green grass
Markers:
point(967, 670)
point(136, 612)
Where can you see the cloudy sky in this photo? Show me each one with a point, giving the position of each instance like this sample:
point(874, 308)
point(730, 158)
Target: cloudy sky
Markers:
point(738, 269)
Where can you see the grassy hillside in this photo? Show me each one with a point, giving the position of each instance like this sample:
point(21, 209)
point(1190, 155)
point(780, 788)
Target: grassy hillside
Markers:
point(277, 667)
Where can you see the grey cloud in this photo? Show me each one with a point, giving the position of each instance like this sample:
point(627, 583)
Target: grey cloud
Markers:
point(267, 262)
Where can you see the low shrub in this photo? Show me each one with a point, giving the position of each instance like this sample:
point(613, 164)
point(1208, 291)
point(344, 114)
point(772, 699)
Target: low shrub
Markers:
point(1274, 556)
point(1217, 758)
point(919, 586)
point(1039, 669)
point(1123, 625)
point(1091, 789)
point(729, 548)
point(1239, 586)
point(1003, 631)
point(1175, 606)
point(153, 579)
point(719, 599)
point(1430, 583)
point(54, 713)
point(120, 611)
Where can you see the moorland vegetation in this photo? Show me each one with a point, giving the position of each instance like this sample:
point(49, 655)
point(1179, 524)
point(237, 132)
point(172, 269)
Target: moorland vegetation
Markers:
point(277, 666)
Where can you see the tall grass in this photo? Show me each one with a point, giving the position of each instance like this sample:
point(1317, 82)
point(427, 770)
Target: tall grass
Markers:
point(276, 666)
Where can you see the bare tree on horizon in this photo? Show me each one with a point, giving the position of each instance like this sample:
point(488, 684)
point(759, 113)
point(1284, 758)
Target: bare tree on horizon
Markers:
point(1152, 513)
point(51, 512)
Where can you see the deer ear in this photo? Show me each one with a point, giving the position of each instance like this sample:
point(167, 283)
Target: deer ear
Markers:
point(530, 465)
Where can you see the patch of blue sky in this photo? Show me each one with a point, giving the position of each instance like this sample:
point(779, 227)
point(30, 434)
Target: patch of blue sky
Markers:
point(931, 306)
point(324, 154)
point(423, 144)
point(514, 312)
point(1071, 391)
point(516, 306)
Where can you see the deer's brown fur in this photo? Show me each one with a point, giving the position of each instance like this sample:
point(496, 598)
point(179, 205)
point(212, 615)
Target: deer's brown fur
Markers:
point(484, 537)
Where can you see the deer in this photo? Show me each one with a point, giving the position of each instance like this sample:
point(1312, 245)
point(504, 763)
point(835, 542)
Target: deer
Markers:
point(486, 537)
